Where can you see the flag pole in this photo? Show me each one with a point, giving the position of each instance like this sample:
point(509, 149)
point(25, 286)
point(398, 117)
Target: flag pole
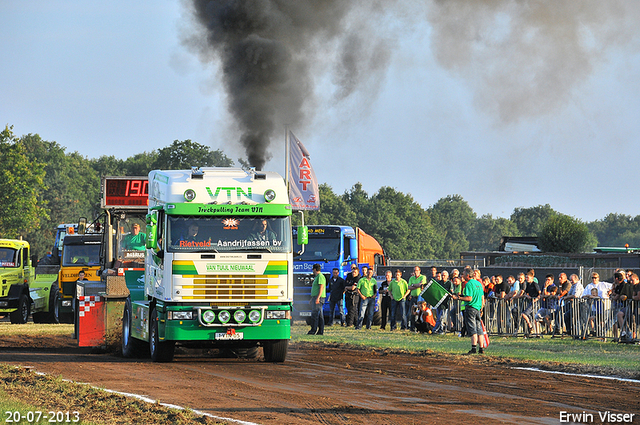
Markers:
point(286, 156)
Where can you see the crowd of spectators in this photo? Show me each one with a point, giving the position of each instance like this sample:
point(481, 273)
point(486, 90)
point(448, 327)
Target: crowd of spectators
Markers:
point(515, 304)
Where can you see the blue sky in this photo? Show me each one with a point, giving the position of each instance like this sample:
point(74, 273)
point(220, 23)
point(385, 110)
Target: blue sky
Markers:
point(503, 105)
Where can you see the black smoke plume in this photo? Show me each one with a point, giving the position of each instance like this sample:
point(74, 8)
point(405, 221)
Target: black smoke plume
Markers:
point(268, 51)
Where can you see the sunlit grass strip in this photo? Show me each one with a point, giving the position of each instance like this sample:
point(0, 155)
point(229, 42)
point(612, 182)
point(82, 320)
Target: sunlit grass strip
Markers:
point(34, 329)
point(47, 393)
point(565, 350)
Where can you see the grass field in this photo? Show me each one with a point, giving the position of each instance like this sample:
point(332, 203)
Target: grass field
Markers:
point(609, 355)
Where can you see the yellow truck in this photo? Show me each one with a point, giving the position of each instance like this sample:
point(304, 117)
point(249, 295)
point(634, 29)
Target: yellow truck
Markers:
point(80, 252)
point(23, 292)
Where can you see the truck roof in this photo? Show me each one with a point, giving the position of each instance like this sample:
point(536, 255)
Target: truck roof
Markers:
point(87, 238)
point(216, 185)
point(13, 243)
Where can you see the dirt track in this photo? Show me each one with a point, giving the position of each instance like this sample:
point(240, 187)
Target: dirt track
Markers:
point(333, 385)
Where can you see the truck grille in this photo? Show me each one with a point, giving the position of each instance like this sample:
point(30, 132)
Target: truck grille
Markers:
point(231, 287)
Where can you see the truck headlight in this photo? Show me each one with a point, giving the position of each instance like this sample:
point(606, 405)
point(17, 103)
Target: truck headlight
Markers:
point(254, 316)
point(180, 315)
point(269, 195)
point(208, 316)
point(189, 195)
point(239, 316)
point(276, 314)
point(224, 316)
point(66, 303)
point(4, 303)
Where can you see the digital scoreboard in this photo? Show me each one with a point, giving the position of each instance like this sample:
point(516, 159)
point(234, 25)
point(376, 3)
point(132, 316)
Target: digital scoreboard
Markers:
point(125, 192)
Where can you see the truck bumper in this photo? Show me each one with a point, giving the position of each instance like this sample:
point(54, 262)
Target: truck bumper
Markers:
point(9, 303)
point(194, 331)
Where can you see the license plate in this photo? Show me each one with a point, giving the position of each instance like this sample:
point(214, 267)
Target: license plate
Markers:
point(222, 336)
point(305, 314)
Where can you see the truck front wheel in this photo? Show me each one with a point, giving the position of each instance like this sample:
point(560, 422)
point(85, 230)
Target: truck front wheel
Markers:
point(275, 351)
point(131, 347)
point(160, 351)
point(54, 305)
point(21, 315)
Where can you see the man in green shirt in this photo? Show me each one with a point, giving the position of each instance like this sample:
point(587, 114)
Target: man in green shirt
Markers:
point(367, 289)
point(135, 240)
point(416, 283)
point(398, 289)
point(473, 297)
point(318, 294)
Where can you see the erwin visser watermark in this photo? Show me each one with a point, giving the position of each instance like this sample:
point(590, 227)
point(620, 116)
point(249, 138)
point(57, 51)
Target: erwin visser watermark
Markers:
point(599, 417)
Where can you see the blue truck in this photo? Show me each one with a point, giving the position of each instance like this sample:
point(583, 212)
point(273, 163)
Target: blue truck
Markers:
point(331, 246)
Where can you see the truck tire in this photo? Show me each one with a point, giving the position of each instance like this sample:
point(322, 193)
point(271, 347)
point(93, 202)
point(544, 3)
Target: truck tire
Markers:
point(377, 318)
point(131, 347)
point(53, 316)
point(21, 315)
point(161, 351)
point(246, 352)
point(276, 351)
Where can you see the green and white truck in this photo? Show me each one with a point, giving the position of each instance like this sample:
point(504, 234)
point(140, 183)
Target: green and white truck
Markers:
point(22, 291)
point(219, 265)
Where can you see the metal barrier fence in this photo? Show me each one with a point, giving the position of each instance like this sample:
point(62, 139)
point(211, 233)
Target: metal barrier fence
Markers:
point(579, 318)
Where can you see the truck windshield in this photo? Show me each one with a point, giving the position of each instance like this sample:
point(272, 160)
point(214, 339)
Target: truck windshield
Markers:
point(319, 249)
point(82, 255)
point(228, 234)
point(9, 257)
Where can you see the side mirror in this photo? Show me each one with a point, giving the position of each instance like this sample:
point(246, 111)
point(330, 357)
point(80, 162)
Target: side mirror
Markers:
point(303, 235)
point(152, 230)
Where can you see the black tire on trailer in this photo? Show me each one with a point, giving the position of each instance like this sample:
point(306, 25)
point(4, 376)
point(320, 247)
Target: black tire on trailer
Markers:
point(377, 318)
point(21, 315)
point(131, 347)
point(161, 351)
point(276, 351)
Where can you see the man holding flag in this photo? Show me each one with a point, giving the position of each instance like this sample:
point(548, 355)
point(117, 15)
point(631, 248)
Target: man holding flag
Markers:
point(473, 296)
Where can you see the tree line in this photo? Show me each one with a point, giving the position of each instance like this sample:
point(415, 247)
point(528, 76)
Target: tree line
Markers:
point(42, 185)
